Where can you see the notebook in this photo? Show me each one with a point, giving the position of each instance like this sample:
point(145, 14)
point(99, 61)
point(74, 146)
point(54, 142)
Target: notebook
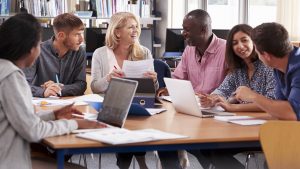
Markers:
point(116, 103)
point(184, 100)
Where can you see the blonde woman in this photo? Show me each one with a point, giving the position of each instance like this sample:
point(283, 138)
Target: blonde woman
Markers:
point(122, 43)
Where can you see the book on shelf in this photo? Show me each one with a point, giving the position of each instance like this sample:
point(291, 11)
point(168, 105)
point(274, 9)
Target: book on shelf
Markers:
point(4, 7)
point(102, 8)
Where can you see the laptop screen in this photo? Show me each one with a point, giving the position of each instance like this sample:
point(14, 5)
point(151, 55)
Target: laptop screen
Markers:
point(145, 85)
point(117, 101)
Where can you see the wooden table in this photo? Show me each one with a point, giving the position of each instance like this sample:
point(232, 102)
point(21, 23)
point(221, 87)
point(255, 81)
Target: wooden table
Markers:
point(204, 133)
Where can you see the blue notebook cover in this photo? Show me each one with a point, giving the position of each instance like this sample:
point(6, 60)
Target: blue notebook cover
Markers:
point(138, 110)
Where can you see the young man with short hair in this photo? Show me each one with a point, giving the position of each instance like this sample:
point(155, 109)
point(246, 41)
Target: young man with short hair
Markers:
point(275, 50)
point(60, 68)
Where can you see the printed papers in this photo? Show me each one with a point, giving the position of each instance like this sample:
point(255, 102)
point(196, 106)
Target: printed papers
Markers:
point(136, 69)
point(116, 136)
point(241, 120)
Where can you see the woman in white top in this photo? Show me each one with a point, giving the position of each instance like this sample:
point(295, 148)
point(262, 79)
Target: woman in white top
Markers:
point(122, 43)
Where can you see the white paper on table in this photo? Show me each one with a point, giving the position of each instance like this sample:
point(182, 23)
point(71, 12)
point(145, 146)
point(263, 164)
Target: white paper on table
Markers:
point(166, 98)
point(88, 98)
point(82, 100)
point(136, 69)
point(123, 136)
point(249, 122)
point(231, 118)
point(153, 111)
point(51, 102)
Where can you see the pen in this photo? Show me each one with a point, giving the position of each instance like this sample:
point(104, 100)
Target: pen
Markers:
point(57, 81)
point(115, 67)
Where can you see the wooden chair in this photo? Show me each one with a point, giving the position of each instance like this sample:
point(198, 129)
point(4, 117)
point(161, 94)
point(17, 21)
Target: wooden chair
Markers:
point(280, 144)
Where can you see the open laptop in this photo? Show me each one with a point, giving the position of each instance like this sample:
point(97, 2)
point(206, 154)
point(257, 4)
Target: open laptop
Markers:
point(116, 103)
point(184, 100)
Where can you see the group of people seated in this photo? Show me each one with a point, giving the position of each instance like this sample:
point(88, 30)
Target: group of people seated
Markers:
point(254, 69)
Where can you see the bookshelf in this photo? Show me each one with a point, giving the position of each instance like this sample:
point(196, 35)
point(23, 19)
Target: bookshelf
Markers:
point(94, 13)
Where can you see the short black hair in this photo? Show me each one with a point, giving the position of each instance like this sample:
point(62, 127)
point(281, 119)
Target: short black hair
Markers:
point(18, 35)
point(234, 61)
point(201, 17)
point(272, 38)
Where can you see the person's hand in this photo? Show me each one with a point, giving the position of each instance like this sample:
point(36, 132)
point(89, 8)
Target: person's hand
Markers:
point(47, 84)
point(151, 74)
point(88, 124)
point(245, 94)
point(66, 112)
point(162, 92)
point(114, 73)
point(227, 106)
point(52, 90)
point(208, 100)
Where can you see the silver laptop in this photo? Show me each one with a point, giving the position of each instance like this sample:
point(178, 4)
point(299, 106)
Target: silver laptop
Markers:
point(116, 103)
point(184, 100)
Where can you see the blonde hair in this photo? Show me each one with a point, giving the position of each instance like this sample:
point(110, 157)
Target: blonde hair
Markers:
point(119, 20)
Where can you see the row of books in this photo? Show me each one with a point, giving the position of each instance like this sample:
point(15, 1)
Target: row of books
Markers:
point(106, 8)
point(49, 8)
point(101, 8)
point(4, 7)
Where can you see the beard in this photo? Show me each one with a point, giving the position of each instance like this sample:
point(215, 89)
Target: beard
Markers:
point(71, 46)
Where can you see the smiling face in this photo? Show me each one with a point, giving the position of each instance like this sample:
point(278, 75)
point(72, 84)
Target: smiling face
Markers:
point(242, 45)
point(192, 31)
point(128, 34)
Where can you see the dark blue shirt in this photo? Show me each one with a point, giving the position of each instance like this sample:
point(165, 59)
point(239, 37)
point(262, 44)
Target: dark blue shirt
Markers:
point(288, 84)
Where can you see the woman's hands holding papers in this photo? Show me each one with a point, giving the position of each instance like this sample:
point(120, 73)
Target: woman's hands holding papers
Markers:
point(152, 75)
point(66, 112)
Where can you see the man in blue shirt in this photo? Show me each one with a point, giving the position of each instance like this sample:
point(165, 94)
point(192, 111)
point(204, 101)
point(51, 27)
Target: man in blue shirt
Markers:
point(275, 50)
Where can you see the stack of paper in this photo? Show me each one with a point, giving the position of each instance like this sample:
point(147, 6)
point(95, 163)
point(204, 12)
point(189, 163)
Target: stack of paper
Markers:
point(82, 100)
point(241, 120)
point(50, 102)
point(116, 136)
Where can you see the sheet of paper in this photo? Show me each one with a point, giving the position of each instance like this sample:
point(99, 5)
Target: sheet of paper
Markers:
point(87, 98)
point(136, 69)
point(229, 118)
point(249, 122)
point(153, 111)
point(166, 98)
point(51, 102)
point(123, 136)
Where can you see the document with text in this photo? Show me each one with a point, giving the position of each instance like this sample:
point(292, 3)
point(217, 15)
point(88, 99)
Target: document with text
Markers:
point(117, 136)
point(136, 69)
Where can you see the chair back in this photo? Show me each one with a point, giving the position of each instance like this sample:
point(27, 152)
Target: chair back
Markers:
point(280, 144)
point(163, 70)
point(88, 84)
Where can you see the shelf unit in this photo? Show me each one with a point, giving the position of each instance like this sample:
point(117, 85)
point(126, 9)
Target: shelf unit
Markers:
point(146, 22)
